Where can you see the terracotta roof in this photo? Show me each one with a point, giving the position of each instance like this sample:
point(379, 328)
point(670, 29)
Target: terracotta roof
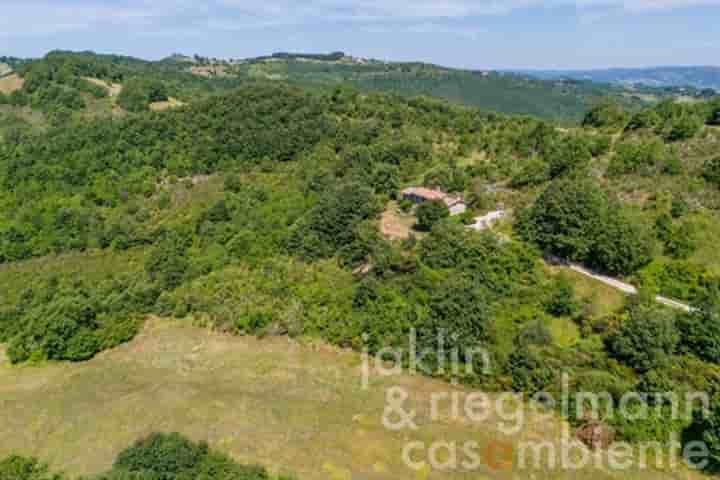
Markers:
point(429, 194)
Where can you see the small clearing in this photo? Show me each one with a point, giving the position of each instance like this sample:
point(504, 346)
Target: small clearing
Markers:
point(169, 103)
point(113, 89)
point(395, 223)
point(11, 83)
point(5, 69)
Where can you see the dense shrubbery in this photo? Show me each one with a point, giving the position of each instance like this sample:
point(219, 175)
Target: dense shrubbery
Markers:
point(574, 219)
point(19, 468)
point(429, 213)
point(645, 157)
point(568, 155)
point(138, 93)
point(606, 115)
point(331, 225)
point(700, 330)
point(672, 120)
point(65, 320)
point(681, 279)
point(711, 171)
point(157, 457)
point(646, 340)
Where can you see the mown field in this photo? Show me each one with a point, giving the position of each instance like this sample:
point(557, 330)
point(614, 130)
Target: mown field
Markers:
point(286, 404)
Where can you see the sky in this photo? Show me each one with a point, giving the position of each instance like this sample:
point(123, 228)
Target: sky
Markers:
point(492, 34)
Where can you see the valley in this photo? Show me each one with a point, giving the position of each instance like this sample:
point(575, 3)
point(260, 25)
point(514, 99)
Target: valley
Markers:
point(211, 251)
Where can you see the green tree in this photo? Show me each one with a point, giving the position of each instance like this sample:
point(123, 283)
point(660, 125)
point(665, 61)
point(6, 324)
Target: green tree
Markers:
point(19, 468)
point(647, 119)
point(459, 317)
point(646, 340)
point(714, 113)
point(566, 218)
point(168, 263)
point(683, 127)
point(622, 246)
point(165, 455)
point(570, 154)
point(562, 301)
point(606, 115)
point(635, 156)
point(705, 428)
point(529, 371)
point(711, 171)
point(429, 213)
point(386, 179)
point(700, 330)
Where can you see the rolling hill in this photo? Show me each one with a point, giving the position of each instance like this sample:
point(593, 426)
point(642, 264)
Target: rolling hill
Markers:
point(699, 78)
point(186, 78)
point(142, 251)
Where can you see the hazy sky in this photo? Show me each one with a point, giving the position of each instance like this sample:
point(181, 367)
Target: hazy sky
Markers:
point(464, 33)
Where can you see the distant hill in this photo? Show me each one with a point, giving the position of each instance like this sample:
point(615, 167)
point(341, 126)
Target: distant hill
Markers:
point(697, 77)
point(557, 99)
point(188, 78)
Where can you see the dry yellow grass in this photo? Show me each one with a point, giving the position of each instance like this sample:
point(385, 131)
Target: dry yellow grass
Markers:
point(170, 103)
point(277, 402)
point(113, 89)
point(11, 83)
point(395, 223)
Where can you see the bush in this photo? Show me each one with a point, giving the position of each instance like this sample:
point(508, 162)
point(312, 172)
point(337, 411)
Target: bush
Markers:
point(700, 331)
point(711, 171)
point(168, 263)
point(165, 455)
point(647, 119)
point(429, 213)
point(19, 468)
point(566, 218)
point(534, 333)
point(706, 429)
point(574, 219)
point(622, 247)
point(71, 321)
point(157, 457)
point(332, 224)
point(640, 157)
point(450, 179)
point(679, 279)
point(562, 301)
point(714, 114)
point(606, 115)
point(162, 456)
point(600, 144)
point(683, 127)
point(137, 94)
point(682, 242)
point(459, 313)
point(646, 340)
point(535, 172)
point(530, 372)
point(570, 154)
